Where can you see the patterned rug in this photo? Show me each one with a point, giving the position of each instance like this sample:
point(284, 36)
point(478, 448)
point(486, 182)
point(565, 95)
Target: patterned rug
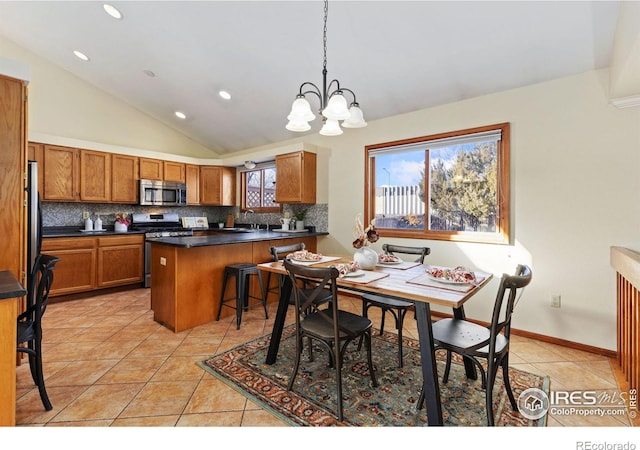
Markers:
point(393, 403)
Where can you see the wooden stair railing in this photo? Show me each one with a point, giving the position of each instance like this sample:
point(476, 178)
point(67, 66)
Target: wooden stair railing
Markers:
point(627, 265)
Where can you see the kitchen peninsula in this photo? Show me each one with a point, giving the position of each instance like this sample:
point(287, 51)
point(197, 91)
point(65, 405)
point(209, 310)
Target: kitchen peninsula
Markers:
point(187, 272)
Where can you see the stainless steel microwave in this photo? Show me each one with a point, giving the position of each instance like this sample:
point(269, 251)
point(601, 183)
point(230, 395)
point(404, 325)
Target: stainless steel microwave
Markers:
point(162, 193)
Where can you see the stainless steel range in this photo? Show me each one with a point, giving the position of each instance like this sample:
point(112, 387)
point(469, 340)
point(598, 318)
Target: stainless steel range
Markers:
point(155, 226)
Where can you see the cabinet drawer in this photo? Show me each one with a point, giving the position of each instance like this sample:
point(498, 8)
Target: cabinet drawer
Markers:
point(108, 241)
point(51, 244)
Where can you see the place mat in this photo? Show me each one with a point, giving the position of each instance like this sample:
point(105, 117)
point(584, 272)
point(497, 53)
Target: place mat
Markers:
point(311, 263)
point(404, 265)
point(368, 277)
point(425, 280)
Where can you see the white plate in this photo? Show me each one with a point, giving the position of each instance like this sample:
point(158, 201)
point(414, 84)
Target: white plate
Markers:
point(92, 231)
point(445, 281)
point(390, 263)
point(306, 260)
point(356, 273)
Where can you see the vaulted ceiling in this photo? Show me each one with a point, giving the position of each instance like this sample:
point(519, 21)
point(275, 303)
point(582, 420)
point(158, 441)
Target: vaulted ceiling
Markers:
point(396, 56)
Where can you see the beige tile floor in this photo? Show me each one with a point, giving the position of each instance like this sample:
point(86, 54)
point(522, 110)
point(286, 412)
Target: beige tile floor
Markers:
point(107, 363)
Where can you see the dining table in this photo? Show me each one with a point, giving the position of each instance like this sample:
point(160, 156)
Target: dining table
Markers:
point(402, 280)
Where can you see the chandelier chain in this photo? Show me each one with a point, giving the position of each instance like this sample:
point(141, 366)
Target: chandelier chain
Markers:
point(324, 40)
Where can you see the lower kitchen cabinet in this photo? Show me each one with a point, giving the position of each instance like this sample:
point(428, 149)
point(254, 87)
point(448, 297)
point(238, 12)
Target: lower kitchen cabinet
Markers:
point(90, 263)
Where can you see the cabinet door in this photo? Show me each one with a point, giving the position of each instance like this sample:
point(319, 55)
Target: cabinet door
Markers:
point(217, 186)
point(124, 179)
point(60, 174)
point(210, 183)
point(174, 171)
point(120, 260)
point(76, 271)
point(296, 175)
point(36, 153)
point(151, 169)
point(95, 176)
point(193, 184)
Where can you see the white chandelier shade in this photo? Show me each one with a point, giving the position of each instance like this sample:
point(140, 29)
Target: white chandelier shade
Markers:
point(337, 107)
point(301, 110)
point(356, 118)
point(298, 125)
point(331, 128)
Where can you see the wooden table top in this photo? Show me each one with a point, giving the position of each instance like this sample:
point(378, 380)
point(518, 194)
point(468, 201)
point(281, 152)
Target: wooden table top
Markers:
point(397, 284)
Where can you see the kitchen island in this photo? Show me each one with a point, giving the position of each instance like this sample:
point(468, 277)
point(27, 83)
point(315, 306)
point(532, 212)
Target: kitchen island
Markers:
point(186, 272)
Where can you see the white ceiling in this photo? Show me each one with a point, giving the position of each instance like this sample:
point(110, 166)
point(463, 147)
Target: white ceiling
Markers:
point(396, 56)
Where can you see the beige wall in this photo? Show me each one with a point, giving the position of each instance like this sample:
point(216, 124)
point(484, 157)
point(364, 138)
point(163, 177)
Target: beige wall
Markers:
point(574, 169)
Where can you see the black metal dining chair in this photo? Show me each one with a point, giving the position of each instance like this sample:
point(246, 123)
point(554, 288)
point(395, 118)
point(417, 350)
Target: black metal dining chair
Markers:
point(474, 341)
point(396, 307)
point(277, 253)
point(30, 321)
point(332, 327)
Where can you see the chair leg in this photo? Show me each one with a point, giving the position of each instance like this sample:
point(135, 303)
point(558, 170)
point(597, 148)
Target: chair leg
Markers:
point(399, 325)
point(447, 368)
point(367, 338)
point(40, 376)
point(338, 366)
point(491, 378)
point(240, 298)
point(365, 312)
point(507, 383)
point(297, 364)
point(384, 313)
point(263, 295)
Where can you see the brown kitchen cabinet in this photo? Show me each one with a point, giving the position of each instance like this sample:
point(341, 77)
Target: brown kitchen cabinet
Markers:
point(120, 260)
point(90, 263)
point(296, 174)
point(174, 171)
point(217, 185)
point(60, 174)
point(95, 176)
point(124, 178)
point(35, 152)
point(151, 169)
point(192, 174)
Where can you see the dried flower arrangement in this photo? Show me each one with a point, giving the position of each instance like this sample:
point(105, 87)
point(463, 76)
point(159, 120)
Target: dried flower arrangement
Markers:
point(122, 218)
point(363, 235)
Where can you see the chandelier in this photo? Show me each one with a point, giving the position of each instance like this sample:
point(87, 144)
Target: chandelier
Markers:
point(333, 104)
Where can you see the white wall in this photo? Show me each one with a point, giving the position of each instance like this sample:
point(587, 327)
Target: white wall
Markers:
point(574, 172)
point(575, 186)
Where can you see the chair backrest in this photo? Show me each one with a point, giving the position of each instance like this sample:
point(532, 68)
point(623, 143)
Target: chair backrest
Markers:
point(40, 287)
point(510, 285)
point(276, 252)
point(421, 251)
point(304, 299)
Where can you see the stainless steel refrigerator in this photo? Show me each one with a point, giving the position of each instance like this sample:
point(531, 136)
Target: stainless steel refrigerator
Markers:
point(34, 221)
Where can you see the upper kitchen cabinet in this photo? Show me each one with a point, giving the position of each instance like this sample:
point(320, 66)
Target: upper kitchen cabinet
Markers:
point(217, 186)
point(35, 152)
point(95, 176)
point(60, 174)
point(151, 169)
point(124, 178)
point(192, 174)
point(174, 171)
point(296, 177)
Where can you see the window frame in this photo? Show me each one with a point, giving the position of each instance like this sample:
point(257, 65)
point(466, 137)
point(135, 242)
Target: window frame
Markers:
point(502, 235)
point(243, 189)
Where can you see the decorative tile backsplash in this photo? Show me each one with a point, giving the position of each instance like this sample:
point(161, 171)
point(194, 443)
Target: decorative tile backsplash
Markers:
point(56, 214)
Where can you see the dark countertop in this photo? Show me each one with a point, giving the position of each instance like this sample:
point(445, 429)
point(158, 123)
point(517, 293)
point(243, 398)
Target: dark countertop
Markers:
point(10, 287)
point(229, 238)
point(49, 232)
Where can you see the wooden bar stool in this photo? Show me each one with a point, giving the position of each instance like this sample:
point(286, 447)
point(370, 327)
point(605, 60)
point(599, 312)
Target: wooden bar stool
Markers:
point(241, 272)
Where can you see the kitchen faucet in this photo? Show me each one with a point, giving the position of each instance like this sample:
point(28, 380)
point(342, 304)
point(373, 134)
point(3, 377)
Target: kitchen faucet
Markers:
point(253, 225)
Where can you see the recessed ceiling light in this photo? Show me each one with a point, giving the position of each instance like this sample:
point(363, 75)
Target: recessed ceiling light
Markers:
point(149, 73)
point(81, 55)
point(181, 115)
point(112, 11)
point(225, 95)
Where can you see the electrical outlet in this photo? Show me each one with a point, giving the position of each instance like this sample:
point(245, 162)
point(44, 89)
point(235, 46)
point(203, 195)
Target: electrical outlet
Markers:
point(204, 214)
point(555, 301)
point(163, 261)
point(85, 215)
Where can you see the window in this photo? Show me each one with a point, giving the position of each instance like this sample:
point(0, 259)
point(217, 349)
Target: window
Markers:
point(451, 186)
point(259, 189)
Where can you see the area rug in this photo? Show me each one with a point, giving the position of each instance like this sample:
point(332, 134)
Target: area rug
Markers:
point(312, 402)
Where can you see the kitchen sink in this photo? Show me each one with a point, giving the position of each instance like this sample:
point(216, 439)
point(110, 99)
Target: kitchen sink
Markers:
point(237, 230)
